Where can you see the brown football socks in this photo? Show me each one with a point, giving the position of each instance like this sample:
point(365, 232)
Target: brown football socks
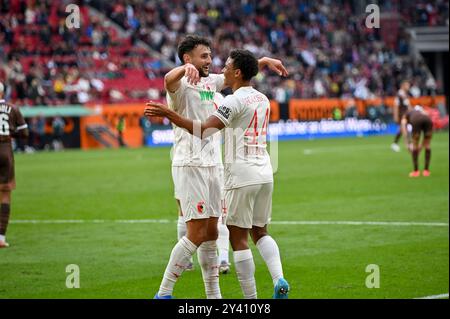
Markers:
point(4, 218)
point(427, 158)
point(415, 156)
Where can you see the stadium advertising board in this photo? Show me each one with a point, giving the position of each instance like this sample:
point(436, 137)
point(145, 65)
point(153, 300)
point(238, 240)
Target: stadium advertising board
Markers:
point(47, 124)
point(308, 119)
point(297, 130)
point(105, 122)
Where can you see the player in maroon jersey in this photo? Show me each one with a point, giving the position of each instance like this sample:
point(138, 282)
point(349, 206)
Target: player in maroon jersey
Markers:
point(418, 121)
point(12, 125)
point(401, 106)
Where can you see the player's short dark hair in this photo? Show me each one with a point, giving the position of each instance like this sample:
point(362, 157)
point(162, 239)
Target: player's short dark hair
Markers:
point(245, 61)
point(189, 43)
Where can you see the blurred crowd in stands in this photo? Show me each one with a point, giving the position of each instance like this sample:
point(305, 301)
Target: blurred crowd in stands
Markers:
point(325, 44)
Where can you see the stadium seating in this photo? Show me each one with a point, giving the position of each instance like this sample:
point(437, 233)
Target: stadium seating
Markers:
point(324, 45)
point(45, 48)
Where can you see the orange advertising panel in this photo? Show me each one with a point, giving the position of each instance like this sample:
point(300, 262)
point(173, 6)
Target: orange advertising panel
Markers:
point(100, 130)
point(108, 118)
point(274, 111)
point(316, 109)
point(429, 101)
point(313, 109)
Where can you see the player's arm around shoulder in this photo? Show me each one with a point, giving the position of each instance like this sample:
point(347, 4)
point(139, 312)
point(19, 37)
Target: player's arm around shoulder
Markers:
point(172, 80)
point(273, 64)
point(200, 129)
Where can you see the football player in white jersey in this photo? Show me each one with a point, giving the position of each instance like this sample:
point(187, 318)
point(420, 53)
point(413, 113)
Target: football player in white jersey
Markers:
point(223, 237)
point(190, 93)
point(248, 175)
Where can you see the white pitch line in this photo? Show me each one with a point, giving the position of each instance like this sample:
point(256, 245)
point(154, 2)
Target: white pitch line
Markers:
point(167, 221)
point(91, 221)
point(331, 149)
point(50, 221)
point(359, 223)
point(145, 221)
point(442, 296)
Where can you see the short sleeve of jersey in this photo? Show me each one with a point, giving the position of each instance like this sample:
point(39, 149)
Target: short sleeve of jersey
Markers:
point(229, 109)
point(175, 97)
point(20, 123)
point(219, 80)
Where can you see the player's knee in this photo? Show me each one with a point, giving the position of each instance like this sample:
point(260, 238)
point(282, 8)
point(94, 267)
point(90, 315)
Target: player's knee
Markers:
point(203, 236)
point(196, 235)
point(6, 197)
point(212, 234)
point(239, 243)
point(257, 233)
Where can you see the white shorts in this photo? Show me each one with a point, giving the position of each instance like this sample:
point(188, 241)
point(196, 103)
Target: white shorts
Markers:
point(222, 197)
point(221, 178)
point(199, 191)
point(249, 205)
point(175, 176)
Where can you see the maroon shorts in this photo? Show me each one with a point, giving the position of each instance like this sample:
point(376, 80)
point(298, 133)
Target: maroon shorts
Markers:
point(7, 179)
point(422, 124)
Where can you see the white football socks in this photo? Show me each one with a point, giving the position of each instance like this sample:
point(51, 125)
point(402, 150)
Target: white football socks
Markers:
point(181, 227)
point(223, 243)
point(179, 259)
point(245, 271)
point(2, 238)
point(269, 251)
point(181, 230)
point(207, 257)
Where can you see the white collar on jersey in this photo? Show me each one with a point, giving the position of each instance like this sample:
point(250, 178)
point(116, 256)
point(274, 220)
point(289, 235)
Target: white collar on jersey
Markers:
point(244, 88)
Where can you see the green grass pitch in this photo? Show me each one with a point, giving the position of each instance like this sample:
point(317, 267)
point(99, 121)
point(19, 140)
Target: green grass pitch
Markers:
point(329, 180)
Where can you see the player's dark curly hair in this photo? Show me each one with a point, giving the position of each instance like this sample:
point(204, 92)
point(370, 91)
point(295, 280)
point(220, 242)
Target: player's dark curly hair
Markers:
point(245, 61)
point(189, 43)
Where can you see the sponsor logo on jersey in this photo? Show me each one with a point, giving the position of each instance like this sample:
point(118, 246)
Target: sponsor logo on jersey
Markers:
point(207, 95)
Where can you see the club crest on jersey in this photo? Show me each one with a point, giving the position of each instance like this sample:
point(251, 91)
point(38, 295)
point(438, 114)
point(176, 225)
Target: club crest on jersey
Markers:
point(200, 207)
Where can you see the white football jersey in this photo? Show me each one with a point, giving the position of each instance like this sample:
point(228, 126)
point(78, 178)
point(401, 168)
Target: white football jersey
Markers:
point(195, 102)
point(246, 115)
